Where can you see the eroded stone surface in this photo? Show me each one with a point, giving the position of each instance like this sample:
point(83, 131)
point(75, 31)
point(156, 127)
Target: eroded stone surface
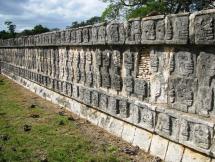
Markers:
point(167, 90)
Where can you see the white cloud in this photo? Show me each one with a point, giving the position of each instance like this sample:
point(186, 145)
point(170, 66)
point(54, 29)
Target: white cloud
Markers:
point(52, 13)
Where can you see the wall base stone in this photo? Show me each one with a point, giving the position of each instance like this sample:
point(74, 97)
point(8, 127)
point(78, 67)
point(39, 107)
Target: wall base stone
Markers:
point(152, 143)
point(174, 152)
point(190, 156)
point(159, 146)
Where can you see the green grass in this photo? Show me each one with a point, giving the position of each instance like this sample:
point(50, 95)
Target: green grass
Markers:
point(47, 139)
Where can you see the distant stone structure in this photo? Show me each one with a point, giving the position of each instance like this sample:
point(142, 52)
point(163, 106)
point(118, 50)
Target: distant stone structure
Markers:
point(150, 81)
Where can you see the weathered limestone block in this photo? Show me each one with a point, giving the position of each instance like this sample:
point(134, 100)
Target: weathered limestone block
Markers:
point(79, 35)
point(95, 99)
point(128, 132)
point(128, 84)
point(123, 108)
point(181, 94)
point(167, 124)
point(99, 33)
point(67, 36)
point(103, 102)
point(183, 63)
point(147, 117)
point(116, 127)
point(57, 37)
point(115, 33)
point(87, 35)
point(191, 156)
point(174, 152)
point(153, 30)
point(113, 105)
point(106, 80)
point(75, 91)
point(81, 93)
point(142, 139)
point(196, 134)
point(177, 29)
point(73, 36)
point(140, 88)
point(202, 27)
point(205, 93)
point(133, 31)
point(135, 114)
point(128, 62)
point(69, 89)
point(159, 146)
point(87, 96)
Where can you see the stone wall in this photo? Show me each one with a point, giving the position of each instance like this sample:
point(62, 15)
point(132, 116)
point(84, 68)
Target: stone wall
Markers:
point(155, 74)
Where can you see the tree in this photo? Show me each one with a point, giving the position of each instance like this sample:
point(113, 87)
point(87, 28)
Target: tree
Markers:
point(5, 35)
point(139, 8)
point(91, 21)
point(11, 27)
point(38, 29)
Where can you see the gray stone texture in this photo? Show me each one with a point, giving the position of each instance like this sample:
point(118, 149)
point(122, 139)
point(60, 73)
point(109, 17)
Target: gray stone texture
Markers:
point(155, 73)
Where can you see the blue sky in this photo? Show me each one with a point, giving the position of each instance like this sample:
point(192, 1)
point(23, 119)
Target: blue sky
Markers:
point(51, 13)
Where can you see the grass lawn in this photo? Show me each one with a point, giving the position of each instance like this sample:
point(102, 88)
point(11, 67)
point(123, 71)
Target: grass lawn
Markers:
point(31, 129)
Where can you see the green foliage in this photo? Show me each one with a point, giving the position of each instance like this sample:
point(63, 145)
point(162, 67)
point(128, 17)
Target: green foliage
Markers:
point(139, 8)
point(111, 12)
point(11, 31)
point(11, 27)
point(143, 11)
point(90, 21)
point(5, 35)
point(38, 29)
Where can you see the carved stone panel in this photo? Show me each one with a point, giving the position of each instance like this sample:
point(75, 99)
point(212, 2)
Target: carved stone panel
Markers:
point(147, 118)
point(101, 34)
point(128, 60)
point(87, 35)
point(113, 105)
point(75, 91)
point(73, 36)
point(183, 64)
point(205, 74)
point(184, 131)
point(140, 88)
point(164, 125)
point(181, 94)
point(177, 29)
point(124, 108)
point(204, 28)
point(153, 30)
point(115, 33)
point(103, 104)
point(128, 84)
point(133, 31)
point(135, 113)
point(95, 99)
point(79, 36)
point(87, 96)
point(195, 134)
point(202, 136)
point(148, 30)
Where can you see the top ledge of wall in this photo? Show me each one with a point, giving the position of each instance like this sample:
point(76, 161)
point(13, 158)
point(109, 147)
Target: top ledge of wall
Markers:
point(175, 29)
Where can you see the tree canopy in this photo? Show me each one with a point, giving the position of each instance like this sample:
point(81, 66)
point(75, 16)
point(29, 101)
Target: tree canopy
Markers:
point(11, 33)
point(90, 21)
point(126, 9)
